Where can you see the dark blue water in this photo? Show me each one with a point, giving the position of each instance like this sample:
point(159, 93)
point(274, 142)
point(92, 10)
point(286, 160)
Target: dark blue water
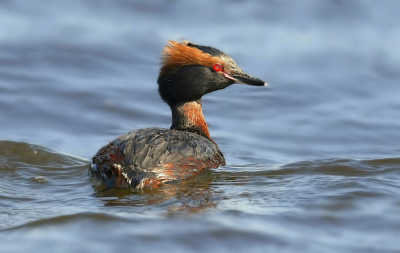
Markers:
point(313, 160)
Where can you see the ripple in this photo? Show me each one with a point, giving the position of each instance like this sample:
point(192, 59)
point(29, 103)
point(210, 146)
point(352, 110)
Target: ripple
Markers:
point(313, 161)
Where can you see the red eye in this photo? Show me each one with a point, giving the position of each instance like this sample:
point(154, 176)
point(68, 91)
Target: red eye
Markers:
point(217, 68)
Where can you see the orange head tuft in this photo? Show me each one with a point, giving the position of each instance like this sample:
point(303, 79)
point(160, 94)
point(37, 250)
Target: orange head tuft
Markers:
point(177, 54)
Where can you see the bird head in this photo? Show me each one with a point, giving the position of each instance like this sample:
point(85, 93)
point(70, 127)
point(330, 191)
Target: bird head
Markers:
point(190, 71)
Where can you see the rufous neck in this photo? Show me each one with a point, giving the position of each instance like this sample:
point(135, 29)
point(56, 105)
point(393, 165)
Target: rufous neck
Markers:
point(188, 116)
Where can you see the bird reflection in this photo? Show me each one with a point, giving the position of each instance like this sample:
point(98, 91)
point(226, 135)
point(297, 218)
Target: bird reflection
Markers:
point(185, 197)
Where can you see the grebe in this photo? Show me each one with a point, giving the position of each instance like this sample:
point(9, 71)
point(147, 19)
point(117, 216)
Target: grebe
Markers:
point(152, 156)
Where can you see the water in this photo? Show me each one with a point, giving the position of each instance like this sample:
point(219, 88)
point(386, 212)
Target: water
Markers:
point(313, 160)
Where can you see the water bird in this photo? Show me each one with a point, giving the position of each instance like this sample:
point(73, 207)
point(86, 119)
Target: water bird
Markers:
point(152, 156)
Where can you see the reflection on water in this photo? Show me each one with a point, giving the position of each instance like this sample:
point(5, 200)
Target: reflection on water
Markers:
point(186, 197)
point(313, 160)
point(268, 206)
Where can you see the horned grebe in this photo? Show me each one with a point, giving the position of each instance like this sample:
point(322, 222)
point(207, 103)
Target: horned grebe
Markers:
point(152, 156)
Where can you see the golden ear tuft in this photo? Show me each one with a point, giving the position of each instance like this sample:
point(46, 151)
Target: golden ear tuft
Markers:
point(177, 54)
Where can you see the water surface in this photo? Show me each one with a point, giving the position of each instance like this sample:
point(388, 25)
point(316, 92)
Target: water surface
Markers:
point(312, 160)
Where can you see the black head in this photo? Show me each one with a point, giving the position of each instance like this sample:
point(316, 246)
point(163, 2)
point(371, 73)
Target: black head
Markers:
point(190, 71)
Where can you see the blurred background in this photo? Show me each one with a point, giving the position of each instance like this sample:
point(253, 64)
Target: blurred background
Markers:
point(316, 151)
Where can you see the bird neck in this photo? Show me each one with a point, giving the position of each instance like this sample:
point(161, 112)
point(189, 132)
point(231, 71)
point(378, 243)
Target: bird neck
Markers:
point(188, 116)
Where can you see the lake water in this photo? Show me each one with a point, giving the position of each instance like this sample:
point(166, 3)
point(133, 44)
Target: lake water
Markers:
point(313, 160)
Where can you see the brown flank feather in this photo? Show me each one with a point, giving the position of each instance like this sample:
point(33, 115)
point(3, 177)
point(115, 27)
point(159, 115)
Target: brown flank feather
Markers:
point(177, 54)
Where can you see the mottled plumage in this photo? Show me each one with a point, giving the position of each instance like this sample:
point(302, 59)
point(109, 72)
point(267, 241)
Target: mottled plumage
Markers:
point(154, 156)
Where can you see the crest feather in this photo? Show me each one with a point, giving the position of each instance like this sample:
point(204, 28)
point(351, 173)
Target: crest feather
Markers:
point(177, 54)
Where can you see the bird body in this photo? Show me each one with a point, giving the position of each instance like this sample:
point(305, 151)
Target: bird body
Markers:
point(153, 156)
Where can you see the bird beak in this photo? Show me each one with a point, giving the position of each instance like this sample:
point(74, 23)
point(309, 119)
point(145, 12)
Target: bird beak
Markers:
point(242, 77)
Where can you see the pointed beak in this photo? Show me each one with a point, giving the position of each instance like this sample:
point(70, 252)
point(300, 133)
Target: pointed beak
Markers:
point(242, 77)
